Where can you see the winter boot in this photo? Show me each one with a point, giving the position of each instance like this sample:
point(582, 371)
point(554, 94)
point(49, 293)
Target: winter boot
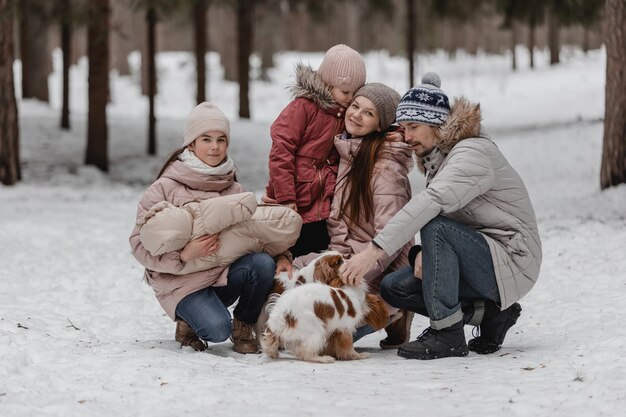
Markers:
point(243, 338)
point(493, 328)
point(398, 331)
point(187, 337)
point(435, 344)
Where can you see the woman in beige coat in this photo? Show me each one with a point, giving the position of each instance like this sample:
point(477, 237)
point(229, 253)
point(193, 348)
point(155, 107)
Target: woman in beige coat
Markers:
point(201, 169)
point(477, 226)
point(372, 185)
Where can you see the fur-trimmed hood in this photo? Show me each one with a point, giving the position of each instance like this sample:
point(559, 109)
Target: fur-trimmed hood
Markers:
point(309, 85)
point(462, 123)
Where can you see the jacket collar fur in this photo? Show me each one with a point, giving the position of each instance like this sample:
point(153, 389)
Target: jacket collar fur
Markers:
point(309, 85)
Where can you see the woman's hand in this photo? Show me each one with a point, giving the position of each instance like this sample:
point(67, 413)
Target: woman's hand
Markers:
point(417, 270)
point(360, 264)
point(202, 246)
point(284, 264)
point(395, 136)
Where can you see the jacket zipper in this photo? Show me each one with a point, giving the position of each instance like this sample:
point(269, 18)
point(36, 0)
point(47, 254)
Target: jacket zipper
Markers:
point(319, 170)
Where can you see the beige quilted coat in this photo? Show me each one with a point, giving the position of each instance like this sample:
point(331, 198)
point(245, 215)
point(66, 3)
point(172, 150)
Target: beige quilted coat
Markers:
point(243, 226)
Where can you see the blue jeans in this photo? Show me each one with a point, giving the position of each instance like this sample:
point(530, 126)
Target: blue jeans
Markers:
point(456, 268)
point(250, 280)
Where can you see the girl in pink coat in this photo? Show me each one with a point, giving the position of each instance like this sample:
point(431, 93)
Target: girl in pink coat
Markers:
point(199, 301)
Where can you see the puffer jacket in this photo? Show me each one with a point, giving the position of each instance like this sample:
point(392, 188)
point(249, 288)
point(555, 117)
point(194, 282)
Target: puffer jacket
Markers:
point(179, 185)
point(391, 190)
point(303, 161)
point(243, 226)
point(470, 181)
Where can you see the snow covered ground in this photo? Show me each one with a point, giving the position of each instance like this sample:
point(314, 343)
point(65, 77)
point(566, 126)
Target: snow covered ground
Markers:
point(82, 335)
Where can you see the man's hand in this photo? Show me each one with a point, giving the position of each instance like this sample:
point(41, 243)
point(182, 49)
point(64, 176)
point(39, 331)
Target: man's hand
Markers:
point(360, 264)
point(202, 246)
point(417, 271)
point(284, 264)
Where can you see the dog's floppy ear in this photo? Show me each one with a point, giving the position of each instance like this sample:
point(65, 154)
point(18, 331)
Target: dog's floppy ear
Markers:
point(377, 315)
point(327, 268)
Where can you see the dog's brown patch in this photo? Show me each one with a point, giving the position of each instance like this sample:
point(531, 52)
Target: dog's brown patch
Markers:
point(323, 311)
point(377, 314)
point(336, 282)
point(338, 344)
point(300, 280)
point(338, 304)
point(291, 320)
point(351, 310)
point(278, 287)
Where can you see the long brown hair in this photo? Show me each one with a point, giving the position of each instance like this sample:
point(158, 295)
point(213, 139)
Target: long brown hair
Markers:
point(358, 204)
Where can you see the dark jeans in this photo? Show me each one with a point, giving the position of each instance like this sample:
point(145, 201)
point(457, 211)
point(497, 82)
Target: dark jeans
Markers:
point(313, 238)
point(457, 268)
point(250, 280)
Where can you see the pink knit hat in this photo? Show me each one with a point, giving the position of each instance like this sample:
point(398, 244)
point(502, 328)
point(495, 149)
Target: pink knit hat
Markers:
point(204, 118)
point(342, 67)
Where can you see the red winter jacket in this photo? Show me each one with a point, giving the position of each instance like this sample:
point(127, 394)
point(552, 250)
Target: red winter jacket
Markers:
point(303, 161)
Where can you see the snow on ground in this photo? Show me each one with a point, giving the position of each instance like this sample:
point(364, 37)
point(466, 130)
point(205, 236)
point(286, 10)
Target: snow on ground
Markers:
point(82, 335)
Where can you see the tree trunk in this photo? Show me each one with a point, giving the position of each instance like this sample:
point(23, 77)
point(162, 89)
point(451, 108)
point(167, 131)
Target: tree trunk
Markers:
point(36, 62)
point(613, 169)
point(554, 39)
point(531, 44)
point(9, 132)
point(410, 39)
point(151, 20)
point(513, 46)
point(585, 40)
point(245, 11)
point(266, 33)
point(200, 45)
point(66, 47)
point(98, 55)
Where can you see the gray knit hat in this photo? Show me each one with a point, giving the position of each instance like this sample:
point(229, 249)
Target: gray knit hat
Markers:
point(425, 103)
point(384, 98)
point(204, 118)
point(342, 67)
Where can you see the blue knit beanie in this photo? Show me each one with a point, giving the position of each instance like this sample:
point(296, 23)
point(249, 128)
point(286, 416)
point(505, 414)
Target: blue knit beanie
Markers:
point(424, 103)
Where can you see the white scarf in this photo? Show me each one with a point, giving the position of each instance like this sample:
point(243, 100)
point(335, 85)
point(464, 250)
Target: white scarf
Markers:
point(192, 161)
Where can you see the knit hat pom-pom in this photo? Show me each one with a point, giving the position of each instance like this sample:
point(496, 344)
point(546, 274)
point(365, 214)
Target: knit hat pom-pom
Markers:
point(431, 78)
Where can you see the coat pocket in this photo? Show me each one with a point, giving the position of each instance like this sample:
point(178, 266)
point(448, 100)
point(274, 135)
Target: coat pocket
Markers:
point(303, 192)
point(512, 240)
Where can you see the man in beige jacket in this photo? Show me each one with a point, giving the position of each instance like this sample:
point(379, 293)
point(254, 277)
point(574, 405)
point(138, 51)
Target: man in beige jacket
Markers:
point(481, 246)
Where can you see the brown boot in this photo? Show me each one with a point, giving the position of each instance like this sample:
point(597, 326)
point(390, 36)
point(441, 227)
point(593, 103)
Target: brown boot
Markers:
point(243, 338)
point(187, 337)
point(398, 332)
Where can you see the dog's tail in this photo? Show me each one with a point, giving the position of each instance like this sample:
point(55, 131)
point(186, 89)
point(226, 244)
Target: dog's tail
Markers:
point(271, 302)
point(376, 314)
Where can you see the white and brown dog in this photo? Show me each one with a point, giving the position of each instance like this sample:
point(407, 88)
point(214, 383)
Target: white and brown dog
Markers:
point(316, 321)
point(282, 282)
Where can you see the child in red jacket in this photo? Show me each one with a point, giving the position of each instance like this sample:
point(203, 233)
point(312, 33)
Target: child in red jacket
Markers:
point(303, 161)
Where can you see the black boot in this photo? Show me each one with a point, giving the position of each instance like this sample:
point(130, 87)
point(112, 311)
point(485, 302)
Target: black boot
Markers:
point(435, 344)
point(493, 328)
